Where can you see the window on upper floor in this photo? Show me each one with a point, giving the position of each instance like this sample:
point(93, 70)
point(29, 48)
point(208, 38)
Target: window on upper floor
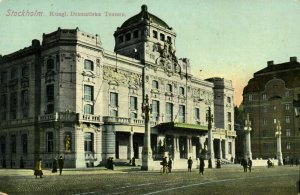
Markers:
point(155, 34)
point(181, 91)
point(13, 73)
point(197, 114)
point(229, 100)
point(287, 119)
point(88, 109)
point(155, 109)
point(169, 39)
point(169, 88)
point(288, 132)
point(88, 142)
point(264, 96)
point(3, 77)
point(133, 103)
point(181, 113)
point(25, 72)
point(50, 93)
point(13, 101)
point(128, 37)
point(136, 34)
point(50, 108)
point(162, 37)
point(229, 126)
point(287, 94)
point(88, 65)
point(155, 84)
point(169, 112)
point(229, 116)
point(249, 97)
point(50, 64)
point(114, 112)
point(114, 102)
point(287, 106)
point(24, 98)
point(288, 146)
point(264, 121)
point(133, 115)
point(88, 93)
point(3, 102)
point(49, 141)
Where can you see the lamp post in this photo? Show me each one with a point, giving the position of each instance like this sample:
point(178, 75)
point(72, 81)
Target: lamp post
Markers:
point(248, 129)
point(278, 136)
point(147, 161)
point(209, 119)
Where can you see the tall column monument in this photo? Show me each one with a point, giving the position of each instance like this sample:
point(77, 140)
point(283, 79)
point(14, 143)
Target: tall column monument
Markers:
point(211, 154)
point(147, 161)
point(248, 153)
point(278, 136)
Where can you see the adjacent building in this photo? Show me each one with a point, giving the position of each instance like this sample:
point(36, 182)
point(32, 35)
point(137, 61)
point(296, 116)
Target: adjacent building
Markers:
point(270, 98)
point(68, 96)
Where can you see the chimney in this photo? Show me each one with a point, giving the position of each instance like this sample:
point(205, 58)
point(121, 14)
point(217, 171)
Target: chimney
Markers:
point(293, 59)
point(270, 63)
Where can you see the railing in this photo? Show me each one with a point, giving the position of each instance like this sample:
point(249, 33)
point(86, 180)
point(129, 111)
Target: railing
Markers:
point(69, 116)
point(89, 118)
point(123, 120)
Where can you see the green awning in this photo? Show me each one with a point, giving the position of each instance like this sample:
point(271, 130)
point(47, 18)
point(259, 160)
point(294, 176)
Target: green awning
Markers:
point(183, 126)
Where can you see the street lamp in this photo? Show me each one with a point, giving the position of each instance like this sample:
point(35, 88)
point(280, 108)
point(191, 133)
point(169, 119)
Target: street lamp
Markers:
point(248, 129)
point(278, 136)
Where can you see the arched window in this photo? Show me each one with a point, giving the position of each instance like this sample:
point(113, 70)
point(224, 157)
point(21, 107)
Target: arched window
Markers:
point(88, 65)
point(155, 84)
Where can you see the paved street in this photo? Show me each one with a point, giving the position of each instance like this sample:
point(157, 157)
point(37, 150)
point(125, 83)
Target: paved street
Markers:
point(126, 180)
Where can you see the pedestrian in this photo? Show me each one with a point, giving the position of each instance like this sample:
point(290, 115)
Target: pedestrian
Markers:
point(133, 161)
point(218, 163)
point(38, 169)
point(170, 165)
point(54, 165)
point(244, 164)
point(283, 161)
point(164, 164)
point(249, 164)
point(201, 166)
point(60, 164)
point(190, 163)
point(21, 163)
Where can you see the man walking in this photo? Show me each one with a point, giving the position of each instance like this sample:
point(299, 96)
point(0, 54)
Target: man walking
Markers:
point(60, 164)
point(249, 164)
point(201, 166)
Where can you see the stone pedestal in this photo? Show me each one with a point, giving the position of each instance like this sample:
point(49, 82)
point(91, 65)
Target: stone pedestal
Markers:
point(279, 153)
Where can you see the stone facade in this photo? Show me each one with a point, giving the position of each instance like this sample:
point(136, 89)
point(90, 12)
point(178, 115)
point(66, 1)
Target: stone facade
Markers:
point(68, 96)
point(269, 97)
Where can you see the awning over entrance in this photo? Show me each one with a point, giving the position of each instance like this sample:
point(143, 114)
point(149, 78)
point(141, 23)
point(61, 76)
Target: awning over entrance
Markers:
point(182, 126)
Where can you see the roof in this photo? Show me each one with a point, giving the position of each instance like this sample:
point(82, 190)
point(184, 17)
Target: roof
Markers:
point(144, 15)
point(289, 72)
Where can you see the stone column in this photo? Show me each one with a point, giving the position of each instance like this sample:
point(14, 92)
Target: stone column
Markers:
point(176, 148)
point(233, 148)
point(188, 147)
point(147, 160)
point(248, 153)
point(211, 154)
point(130, 147)
point(278, 136)
point(220, 149)
point(226, 148)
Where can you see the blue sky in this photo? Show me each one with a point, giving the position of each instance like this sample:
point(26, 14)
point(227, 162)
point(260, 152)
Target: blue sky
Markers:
point(231, 39)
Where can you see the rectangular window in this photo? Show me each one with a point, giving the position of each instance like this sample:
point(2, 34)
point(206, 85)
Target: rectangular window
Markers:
point(155, 109)
point(229, 126)
point(264, 96)
point(197, 114)
point(169, 112)
point(169, 39)
point(88, 142)
point(113, 99)
point(13, 144)
point(155, 84)
point(50, 64)
point(88, 93)
point(169, 88)
point(181, 91)
point(162, 37)
point(50, 93)
point(49, 141)
point(229, 148)
point(229, 116)
point(181, 113)
point(88, 109)
point(25, 72)
point(4, 77)
point(88, 65)
point(133, 115)
point(114, 113)
point(264, 121)
point(24, 143)
point(155, 34)
point(288, 146)
point(13, 73)
point(50, 108)
point(135, 34)
point(249, 97)
point(288, 132)
point(229, 100)
point(13, 101)
point(24, 98)
point(133, 103)
point(287, 106)
point(287, 119)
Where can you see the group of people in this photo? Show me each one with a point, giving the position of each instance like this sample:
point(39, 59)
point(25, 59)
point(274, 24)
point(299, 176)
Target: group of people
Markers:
point(246, 164)
point(38, 171)
point(167, 165)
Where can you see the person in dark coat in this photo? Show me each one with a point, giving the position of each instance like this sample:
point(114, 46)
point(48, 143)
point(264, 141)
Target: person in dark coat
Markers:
point(249, 164)
point(170, 165)
point(244, 164)
point(190, 163)
point(54, 165)
point(60, 164)
point(201, 166)
point(133, 161)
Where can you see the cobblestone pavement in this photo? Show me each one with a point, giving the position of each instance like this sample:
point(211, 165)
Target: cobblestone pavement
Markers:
point(125, 180)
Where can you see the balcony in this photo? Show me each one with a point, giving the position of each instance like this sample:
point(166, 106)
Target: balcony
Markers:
point(69, 117)
point(122, 121)
point(89, 118)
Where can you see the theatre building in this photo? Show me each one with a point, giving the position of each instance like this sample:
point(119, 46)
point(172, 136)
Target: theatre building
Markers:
point(66, 95)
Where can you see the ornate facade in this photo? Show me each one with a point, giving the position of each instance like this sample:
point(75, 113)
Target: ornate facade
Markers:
point(68, 96)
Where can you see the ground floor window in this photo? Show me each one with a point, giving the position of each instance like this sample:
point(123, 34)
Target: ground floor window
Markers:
point(49, 141)
point(88, 142)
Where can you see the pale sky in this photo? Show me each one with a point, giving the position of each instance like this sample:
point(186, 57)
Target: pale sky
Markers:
point(231, 39)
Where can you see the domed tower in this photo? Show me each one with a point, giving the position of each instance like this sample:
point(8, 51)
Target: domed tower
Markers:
point(147, 38)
